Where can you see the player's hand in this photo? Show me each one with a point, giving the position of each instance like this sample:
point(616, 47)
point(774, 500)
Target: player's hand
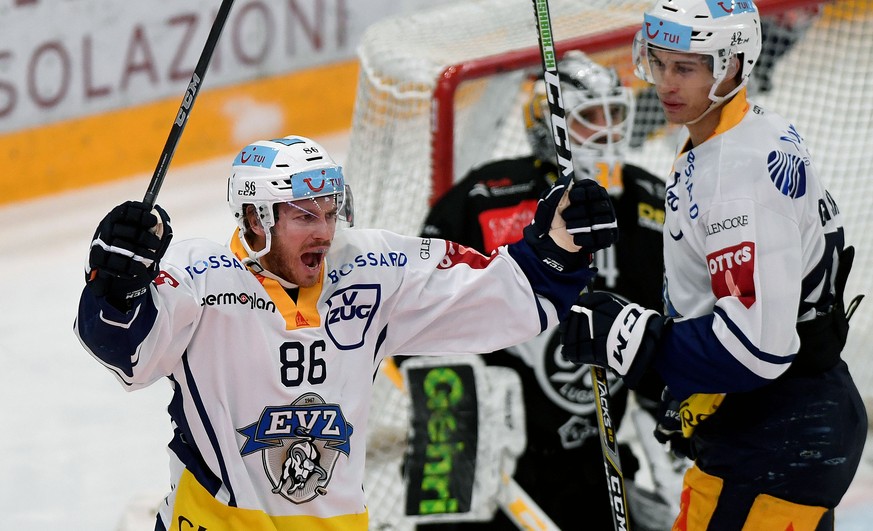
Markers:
point(126, 250)
point(589, 216)
point(607, 331)
point(669, 428)
point(569, 226)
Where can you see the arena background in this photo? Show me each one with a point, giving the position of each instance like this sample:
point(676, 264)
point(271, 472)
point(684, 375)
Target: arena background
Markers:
point(88, 94)
point(87, 98)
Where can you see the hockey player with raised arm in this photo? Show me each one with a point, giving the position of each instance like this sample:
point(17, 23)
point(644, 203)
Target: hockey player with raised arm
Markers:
point(755, 266)
point(490, 207)
point(271, 343)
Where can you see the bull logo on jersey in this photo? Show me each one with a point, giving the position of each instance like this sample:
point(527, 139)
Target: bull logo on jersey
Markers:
point(301, 462)
point(300, 444)
point(350, 313)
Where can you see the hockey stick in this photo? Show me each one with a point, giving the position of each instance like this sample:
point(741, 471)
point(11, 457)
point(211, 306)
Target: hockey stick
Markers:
point(187, 102)
point(608, 442)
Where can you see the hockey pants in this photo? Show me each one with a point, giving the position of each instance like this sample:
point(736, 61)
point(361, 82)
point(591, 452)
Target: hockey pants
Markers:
point(776, 457)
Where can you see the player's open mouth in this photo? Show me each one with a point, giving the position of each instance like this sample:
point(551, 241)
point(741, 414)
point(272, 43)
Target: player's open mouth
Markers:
point(312, 260)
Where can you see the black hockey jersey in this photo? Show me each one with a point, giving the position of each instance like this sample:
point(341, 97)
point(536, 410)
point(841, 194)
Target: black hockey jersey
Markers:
point(490, 207)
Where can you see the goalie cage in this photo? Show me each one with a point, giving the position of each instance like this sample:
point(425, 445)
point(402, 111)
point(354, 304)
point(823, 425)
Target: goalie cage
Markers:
point(440, 91)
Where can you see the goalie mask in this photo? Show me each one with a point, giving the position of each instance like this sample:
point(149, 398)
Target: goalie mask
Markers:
point(726, 35)
point(292, 170)
point(600, 113)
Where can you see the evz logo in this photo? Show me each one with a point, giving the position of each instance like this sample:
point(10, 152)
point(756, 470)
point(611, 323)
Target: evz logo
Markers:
point(300, 444)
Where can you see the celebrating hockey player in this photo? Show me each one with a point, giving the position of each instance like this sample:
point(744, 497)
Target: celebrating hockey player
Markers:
point(491, 206)
point(271, 343)
point(756, 266)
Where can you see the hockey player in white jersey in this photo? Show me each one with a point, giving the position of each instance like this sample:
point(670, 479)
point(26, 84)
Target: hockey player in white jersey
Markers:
point(271, 343)
point(755, 266)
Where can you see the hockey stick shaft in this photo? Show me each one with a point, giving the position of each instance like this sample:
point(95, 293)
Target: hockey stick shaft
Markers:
point(609, 446)
point(188, 99)
point(608, 443)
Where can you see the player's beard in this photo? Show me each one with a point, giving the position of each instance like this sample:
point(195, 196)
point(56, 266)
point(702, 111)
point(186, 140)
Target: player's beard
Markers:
point(300, 265)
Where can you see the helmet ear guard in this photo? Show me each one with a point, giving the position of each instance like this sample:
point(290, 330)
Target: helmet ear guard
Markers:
point(733, 67)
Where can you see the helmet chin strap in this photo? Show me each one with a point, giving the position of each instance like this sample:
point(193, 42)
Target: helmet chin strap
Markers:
point(717, 100)
point(709, 109)
point(252, 260)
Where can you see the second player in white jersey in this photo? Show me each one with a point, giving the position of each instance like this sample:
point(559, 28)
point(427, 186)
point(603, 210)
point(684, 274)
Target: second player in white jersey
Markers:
point(740, 248)
point(755, 271)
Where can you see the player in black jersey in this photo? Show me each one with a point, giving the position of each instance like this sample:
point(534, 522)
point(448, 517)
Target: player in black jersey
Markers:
point(490, 207)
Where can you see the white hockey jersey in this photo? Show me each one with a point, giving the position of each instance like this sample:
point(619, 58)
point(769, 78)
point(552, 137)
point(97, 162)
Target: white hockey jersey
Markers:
point(272, 393)
point(751, 246)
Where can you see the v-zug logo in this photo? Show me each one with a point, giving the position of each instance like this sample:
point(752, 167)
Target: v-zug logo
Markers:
point(350, 312)
point(245, 299)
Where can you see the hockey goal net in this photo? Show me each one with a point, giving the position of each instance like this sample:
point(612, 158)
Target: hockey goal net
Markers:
point(440, 91)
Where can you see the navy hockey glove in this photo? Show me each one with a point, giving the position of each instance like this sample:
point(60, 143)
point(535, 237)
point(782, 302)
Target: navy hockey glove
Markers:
point(669, 428)
point(607, 331)
point(125, 252)
point(566, 231)
point(590, 216)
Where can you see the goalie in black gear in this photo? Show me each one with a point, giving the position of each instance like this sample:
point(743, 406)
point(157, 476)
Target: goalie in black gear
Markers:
point(491, 206)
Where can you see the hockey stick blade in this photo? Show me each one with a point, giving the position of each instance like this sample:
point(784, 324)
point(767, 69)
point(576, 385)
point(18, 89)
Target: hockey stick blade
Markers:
point(191, 92)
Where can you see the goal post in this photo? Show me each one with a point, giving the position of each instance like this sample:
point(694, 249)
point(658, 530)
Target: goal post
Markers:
point(419, 85)
point(440, 91)
point(442, 128)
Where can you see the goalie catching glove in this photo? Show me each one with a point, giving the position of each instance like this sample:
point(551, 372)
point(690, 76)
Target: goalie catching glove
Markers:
point(609, 332)
point(570, 225)
point(125, 252)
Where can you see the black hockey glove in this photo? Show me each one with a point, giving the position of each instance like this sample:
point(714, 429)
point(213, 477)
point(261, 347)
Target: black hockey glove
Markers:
point(669, 428)
point(590, 216)
point(126, 251)
point(607, 331)
point(564, 234)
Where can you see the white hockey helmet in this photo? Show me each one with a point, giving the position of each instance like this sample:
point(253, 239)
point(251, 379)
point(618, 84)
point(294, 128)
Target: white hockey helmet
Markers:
point(720, 29)
point(586, 87)
point(269, 172)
